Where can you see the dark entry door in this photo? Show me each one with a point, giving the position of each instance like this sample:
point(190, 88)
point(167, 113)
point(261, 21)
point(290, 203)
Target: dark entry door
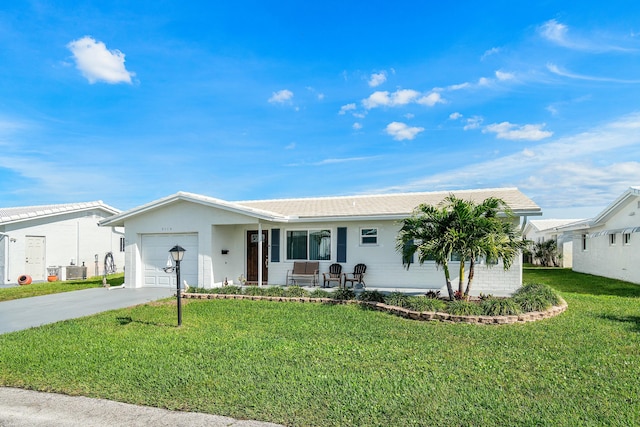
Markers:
point(252, 256)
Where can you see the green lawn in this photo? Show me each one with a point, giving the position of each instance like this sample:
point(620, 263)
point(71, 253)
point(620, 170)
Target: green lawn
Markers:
point(339, 365)
point(46, 288)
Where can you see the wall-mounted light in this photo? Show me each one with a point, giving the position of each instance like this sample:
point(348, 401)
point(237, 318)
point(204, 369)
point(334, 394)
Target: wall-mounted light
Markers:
point(225, 251)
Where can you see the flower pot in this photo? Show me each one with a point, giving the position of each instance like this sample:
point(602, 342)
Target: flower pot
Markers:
point(52, 278)
point(24, 280)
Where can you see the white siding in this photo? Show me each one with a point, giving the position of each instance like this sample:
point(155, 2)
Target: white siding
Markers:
point(69, 237)
point(618, 261)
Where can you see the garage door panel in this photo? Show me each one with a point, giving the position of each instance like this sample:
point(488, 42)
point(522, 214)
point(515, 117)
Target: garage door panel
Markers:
point(155, 252)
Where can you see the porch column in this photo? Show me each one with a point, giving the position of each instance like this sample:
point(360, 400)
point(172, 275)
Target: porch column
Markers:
point(260, 243)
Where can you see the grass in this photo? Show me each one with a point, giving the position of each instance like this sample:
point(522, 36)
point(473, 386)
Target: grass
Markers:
point(338, 365)
point(46, 288)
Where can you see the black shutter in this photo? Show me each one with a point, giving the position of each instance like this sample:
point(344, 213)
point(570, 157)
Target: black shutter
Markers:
point(275, 245)
point(342, 245)
point(407, 260)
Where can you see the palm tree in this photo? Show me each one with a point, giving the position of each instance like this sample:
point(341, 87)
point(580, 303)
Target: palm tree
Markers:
point(463, 227)
point(427, 233)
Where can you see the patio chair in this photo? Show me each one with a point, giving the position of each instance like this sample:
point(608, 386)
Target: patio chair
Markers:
point(334, 275)
point(356, 277)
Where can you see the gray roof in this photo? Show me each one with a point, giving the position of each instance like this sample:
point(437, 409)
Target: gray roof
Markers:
point(25, 213)
point(550, 224)
point(349, 208)
point(394, 205)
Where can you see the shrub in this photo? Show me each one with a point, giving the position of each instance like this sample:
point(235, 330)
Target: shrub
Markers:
point(532, 302)
point(536, 297)
point(296, 292)
point(275, 291)
point(463, 308)
point(500, 307)
point(319, 293)
point(433, 294)
point(343, 294)
point(397, 298)
point(371, 296)
point(425, 304)
point(228, 290)
point(255, 290)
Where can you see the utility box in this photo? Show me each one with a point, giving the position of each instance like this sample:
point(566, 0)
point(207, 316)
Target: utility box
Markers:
point(76, 272)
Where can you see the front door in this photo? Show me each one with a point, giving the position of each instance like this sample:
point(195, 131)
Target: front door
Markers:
point(252, 256)
point(34, 257)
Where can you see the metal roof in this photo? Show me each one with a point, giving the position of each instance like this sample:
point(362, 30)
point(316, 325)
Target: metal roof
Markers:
point(393, 205)
point(25, 213)
point(349, 208)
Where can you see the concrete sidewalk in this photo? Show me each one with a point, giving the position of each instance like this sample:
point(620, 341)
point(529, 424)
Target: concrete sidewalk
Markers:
point(25, 408)
point(19, 314)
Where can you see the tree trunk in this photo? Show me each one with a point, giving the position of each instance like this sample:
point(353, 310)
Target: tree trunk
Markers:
point(447, 276)
point(472, 264)
point(461, 279)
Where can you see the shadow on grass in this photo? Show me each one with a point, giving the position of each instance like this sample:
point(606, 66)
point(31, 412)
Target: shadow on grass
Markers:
point(128, 319)
point(566, 280)
point(634, 321)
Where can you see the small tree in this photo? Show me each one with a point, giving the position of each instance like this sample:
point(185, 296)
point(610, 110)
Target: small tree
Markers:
point(547, 253)
point(471, 230)
point(427, 232)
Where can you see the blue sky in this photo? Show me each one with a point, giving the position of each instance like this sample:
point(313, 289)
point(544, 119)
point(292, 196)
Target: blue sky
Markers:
point(128, 102)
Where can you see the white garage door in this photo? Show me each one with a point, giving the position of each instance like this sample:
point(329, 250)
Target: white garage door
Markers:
point(155, 251)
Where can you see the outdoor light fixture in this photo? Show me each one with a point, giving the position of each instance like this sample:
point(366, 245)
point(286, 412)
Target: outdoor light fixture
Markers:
point(177, 253)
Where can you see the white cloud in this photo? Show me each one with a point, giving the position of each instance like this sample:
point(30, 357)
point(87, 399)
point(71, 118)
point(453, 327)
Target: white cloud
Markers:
point(377, 99)
point(97, 63)
point(579, 170)
point(563, 73)
point(400, 131)
point(473, 123)
point(377, 79)
point(347, 107)
point(492, 51)
point(558, 34)
point(506, 130)
point(281, 97)
point(502, 76)
point(291, 146)
point(401, 97)
point(357, 126)
point(555, 32)
point(431, 99)
point(455, 116)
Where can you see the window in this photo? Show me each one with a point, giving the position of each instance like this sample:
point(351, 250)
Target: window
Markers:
point(309, 244)
point(122, 244)
point(626, 238)
point(612, 239)
point(368, 236)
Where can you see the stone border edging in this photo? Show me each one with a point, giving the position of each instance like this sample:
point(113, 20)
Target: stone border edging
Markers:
point(404, 312)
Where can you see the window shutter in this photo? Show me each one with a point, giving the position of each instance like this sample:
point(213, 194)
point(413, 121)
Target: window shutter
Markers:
point(342, 245)
point(407, 260)
point(275, 245)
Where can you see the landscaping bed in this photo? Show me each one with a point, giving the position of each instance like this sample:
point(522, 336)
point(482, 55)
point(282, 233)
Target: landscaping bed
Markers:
point(530, 303)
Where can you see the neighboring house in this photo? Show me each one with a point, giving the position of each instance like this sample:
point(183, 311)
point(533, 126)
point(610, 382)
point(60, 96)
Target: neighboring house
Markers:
point(222, 239)
point(608, 245)
point(35, 238)
point(542, 230)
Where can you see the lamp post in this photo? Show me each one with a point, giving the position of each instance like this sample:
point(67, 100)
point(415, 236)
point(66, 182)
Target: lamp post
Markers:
point(177, 253)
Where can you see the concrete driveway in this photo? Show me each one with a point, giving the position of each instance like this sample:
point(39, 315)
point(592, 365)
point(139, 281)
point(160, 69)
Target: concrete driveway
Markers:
point(27, 313)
